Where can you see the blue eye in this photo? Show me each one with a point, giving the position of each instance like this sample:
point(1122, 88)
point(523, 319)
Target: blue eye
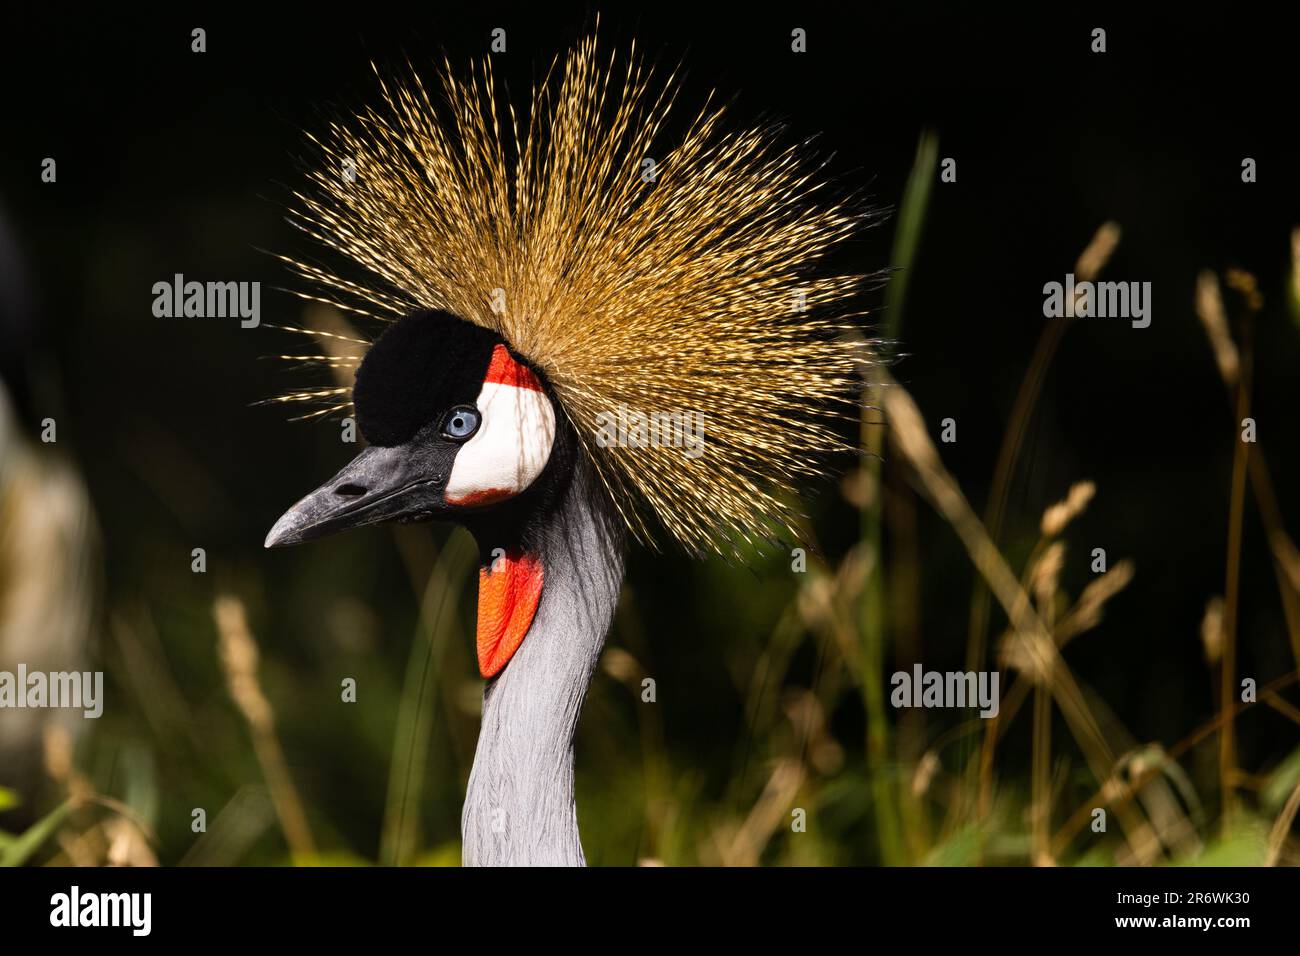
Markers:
point(461, 422)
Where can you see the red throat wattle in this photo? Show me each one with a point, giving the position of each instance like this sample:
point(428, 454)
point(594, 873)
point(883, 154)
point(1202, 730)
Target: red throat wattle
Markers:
point(508, 591)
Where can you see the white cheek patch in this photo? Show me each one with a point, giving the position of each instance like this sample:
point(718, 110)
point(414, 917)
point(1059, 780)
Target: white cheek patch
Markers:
point(513, 441)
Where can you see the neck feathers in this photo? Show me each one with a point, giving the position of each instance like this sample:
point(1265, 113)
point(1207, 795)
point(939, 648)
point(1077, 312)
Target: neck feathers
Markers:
point(519, 808)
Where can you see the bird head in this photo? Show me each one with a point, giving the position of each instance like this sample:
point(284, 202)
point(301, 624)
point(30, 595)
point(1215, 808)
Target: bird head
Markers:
point(456, 423)
point(459, 428)
point(540, 286)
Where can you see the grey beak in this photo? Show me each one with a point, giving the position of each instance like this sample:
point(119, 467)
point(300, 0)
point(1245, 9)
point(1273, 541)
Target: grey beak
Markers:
point(380, 484)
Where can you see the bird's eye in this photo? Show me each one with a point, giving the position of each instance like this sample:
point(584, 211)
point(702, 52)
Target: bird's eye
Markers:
point(461, 422)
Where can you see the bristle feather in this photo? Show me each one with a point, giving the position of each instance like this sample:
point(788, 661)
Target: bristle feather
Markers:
point(669, 296)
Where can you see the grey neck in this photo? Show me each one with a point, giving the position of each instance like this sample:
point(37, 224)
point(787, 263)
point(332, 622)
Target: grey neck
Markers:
point(519, 807)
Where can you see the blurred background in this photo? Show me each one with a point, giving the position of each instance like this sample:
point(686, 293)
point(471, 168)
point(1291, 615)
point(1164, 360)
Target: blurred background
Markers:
point(1121, 690)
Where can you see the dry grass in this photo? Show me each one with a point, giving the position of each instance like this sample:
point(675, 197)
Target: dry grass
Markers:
point(238, 652)
point(1160, 815)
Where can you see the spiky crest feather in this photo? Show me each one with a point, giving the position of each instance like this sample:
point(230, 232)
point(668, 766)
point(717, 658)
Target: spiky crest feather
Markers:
point(696, 292)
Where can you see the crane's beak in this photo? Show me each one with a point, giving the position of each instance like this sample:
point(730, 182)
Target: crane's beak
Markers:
point(380, 484)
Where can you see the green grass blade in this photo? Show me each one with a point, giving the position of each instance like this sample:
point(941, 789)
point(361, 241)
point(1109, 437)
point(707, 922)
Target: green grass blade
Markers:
point(21, 849)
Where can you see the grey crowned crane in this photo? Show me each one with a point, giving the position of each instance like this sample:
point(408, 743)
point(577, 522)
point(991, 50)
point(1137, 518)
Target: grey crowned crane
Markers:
point(541, 280)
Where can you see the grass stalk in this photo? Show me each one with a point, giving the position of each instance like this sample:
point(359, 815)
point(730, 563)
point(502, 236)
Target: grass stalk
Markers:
point(907, 237)
point(438, 615)
point(1232, 590)
point(239, 655)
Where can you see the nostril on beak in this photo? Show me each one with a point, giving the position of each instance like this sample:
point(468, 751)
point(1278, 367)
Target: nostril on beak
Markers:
point(349, 491)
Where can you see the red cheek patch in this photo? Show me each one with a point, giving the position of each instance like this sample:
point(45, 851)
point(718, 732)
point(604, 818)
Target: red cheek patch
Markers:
point(508, 592)
point(477, 499)
point(504, 370)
